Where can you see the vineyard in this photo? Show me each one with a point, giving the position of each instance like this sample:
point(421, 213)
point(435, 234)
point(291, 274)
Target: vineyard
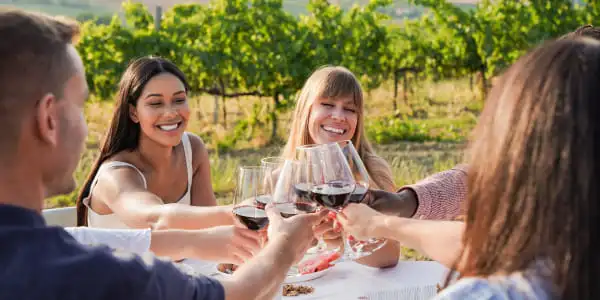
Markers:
point(425, 79)
point(236, 48)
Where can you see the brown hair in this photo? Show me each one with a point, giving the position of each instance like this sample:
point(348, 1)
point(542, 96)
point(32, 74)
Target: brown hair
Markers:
point(333, 82)
point(34, 62)
point(585, 30)
point(533, 179)
point(124, 134)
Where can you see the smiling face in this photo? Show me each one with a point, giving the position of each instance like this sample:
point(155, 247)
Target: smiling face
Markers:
point(162, 109)
point(332, 120)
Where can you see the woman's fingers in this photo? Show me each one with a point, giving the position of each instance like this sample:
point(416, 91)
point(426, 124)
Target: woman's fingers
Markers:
point(242, 253)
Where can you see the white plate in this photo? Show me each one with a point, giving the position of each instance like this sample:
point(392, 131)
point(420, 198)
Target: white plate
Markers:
point(306, 277)
point(291, 278)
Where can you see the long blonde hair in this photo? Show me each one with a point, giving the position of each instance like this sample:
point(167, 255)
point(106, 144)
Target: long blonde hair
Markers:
point(333, 82)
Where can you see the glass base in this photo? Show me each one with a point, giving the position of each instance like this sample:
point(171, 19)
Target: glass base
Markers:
point(358, 249)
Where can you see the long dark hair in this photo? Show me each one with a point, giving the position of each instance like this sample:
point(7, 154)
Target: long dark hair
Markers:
point(123, 133)
point(534, 177)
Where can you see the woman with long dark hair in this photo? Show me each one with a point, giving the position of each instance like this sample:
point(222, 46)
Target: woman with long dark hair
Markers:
point(151, 173)
point(532, 206)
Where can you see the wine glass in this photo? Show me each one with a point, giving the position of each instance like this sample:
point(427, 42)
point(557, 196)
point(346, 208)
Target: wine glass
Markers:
point(250, 186)
point(290, 195)
point(362, 181)
point(272, 165)
point(329, 181)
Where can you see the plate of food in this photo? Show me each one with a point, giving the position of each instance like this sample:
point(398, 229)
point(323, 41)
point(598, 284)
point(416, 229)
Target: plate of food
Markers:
point(309, 268)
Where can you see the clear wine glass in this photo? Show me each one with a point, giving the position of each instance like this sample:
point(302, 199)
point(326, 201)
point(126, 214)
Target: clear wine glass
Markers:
point(272, 165)
point(329, 181)
point(362, 180)
point(250, 186)
point(291, 197)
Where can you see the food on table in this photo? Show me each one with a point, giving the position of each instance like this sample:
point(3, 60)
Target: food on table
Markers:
point(227, 268)
point(318, 263)
point(295, 290)
point(311, 265)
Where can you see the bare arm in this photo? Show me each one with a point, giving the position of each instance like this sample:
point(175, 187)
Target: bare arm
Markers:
point(122, 191)
point(401, 204)
point(202, 191)
point(438, 240)
point(261, 277)
point(226, 244)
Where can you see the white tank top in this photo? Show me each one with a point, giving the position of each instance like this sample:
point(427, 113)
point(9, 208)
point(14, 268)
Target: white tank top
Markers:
point(111, 220)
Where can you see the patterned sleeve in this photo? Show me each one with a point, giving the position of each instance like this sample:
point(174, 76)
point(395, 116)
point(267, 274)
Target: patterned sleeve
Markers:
point(514, 287)
point(440, 196)
point(472, 289)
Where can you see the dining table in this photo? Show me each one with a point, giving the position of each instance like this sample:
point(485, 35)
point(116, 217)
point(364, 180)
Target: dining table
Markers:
point(410, 280)
point(346, 279)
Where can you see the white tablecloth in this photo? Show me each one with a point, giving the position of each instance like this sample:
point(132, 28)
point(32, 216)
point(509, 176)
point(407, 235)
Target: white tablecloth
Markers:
point(346, 280)
point(132, 240)
point(349, 280)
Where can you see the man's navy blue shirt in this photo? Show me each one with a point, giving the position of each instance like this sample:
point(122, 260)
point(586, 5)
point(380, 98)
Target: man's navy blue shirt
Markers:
point(41, 262)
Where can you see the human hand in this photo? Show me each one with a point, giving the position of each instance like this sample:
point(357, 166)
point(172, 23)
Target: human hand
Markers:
point(230, 244)
point(298, 230)
point(358, 220)
point(331, 234)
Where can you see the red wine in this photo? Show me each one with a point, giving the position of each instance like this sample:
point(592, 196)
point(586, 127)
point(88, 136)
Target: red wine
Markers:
point(334, 194)
point(302, 190)
point(262, 201)
point(358, 194)
point(290, 209)
point(307, 207)
point(253, 217)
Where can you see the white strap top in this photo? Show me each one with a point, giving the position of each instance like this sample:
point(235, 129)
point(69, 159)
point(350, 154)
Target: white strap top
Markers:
point(111, 220)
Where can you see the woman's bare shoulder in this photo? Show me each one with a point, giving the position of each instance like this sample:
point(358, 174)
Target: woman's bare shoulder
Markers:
point(199, 151)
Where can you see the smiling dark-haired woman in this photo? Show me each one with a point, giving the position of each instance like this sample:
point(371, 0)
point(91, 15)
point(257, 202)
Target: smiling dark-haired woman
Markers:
point(151, 173)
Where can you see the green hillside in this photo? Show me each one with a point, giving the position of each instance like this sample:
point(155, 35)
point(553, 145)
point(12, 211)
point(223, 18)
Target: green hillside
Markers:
point(68, 8)
point(400, 9)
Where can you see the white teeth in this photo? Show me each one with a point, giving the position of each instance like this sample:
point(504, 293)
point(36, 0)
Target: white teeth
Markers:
point(334, 130)
point(168, 127)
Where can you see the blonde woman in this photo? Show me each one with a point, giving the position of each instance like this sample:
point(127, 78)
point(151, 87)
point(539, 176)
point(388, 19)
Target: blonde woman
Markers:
point(329, 109)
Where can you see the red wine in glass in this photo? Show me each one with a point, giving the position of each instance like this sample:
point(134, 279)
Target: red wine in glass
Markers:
point(262, 201)
point(302, 190)
point(290, 209)
point(252, 217)
point(358, 194)
point(334, 195)
point(306, 207)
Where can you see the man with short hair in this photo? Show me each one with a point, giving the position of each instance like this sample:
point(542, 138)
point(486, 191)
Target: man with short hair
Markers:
point(42, 94)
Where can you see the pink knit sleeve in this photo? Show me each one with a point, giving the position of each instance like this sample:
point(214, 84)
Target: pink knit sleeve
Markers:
point(440, 196)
